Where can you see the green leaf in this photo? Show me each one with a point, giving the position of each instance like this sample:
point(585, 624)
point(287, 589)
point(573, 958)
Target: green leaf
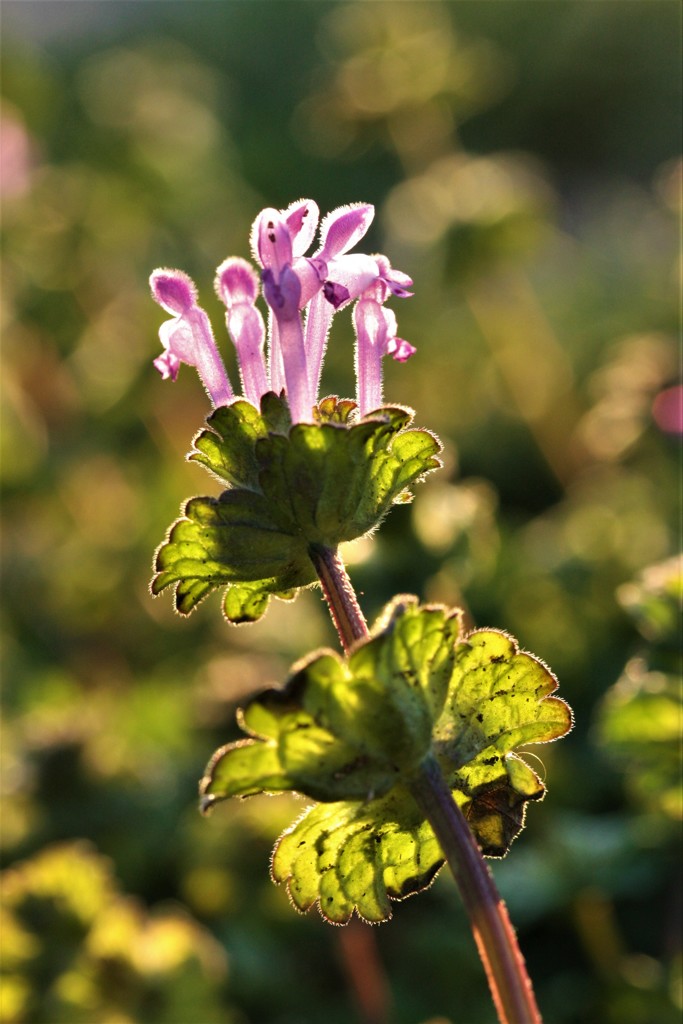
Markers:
point(353, 732)
point(247, 602)
point(288, 488)
point(357, 856)
point(227, 448)
point(335, 483)
point(498, 694)
point(230, 539)
point(639, 719)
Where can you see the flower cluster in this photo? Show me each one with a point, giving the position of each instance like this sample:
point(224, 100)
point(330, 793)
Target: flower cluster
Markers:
point(302, 293)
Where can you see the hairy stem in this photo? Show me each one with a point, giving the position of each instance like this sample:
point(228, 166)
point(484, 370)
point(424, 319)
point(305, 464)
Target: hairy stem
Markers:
point(508, 980)
point(511, 989)
point(359, 946)
point(339, 594)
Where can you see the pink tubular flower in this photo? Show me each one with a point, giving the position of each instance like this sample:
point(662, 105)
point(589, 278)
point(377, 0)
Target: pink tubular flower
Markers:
point(188, 337)
point(376, 334)
point(339, 232)
point(376, 337)
point(237, 285)
point(282, 292)
point(294, 286)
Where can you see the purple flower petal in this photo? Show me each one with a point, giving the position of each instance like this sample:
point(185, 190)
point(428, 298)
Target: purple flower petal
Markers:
point(168, 365)
point(375, 337)
point(302, 220)
point(237, 285)
point(370, 325)
point(356, 273)
point(270, 240)
point(342, 228)
point(173, 290)
point(396, 281)
point(310, 278)
point(336, 294)
point(400, 349)
point(188, 337)
point(282, 294)
point(236, 281)
point(318, 323)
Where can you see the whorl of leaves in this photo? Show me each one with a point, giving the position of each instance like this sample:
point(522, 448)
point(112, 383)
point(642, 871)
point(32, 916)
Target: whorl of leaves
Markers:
point(287, 488)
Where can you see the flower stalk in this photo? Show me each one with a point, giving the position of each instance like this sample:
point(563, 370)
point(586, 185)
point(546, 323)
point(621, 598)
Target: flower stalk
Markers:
point(509, 982)
point(340, 596)
point(510, 986)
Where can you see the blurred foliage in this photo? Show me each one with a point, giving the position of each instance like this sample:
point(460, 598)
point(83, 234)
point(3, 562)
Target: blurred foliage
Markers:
point(641, 718)
point(74, 949)
point(524, 159)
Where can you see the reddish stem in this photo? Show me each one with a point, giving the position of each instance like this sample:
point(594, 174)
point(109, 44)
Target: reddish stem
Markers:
point(511, 988)
point(340, 596)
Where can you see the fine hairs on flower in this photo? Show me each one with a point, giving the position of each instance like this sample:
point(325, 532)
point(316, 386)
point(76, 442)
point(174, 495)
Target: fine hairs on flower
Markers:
point(302, 294)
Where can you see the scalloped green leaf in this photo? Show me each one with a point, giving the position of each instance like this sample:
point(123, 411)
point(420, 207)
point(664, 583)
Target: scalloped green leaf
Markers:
point(360, 855)
point(228, 447)
point(353, 732)
point(289, 488)
point(230, 539)
point(311, 725)
point(336, 483)
point(357, 856)
point(247, 602)
point(501, 698)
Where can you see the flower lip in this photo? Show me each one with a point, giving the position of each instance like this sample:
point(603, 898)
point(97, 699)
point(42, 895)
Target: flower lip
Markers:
point(174, 290)
point(400, 349)
point(342, 228)
point(302, 220)
point(236, 281)
point(168, 365)
point(271, 240)
point(396, 281)
point(349, 277)
point(336, 294)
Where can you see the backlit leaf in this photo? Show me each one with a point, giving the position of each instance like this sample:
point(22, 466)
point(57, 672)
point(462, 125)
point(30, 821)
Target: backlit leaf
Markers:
point(352, 733)
point(289, 488)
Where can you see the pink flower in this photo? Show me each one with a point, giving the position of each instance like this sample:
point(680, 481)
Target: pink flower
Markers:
point(303, 294)
point(376, 337)
point(237, 285)
point(188, 337)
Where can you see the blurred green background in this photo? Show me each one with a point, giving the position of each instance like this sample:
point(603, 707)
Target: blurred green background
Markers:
point(524, 159)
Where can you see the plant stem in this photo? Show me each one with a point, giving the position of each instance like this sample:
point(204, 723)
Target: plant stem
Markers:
point(340, 595)
point(511, 989)
point(365, 972)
